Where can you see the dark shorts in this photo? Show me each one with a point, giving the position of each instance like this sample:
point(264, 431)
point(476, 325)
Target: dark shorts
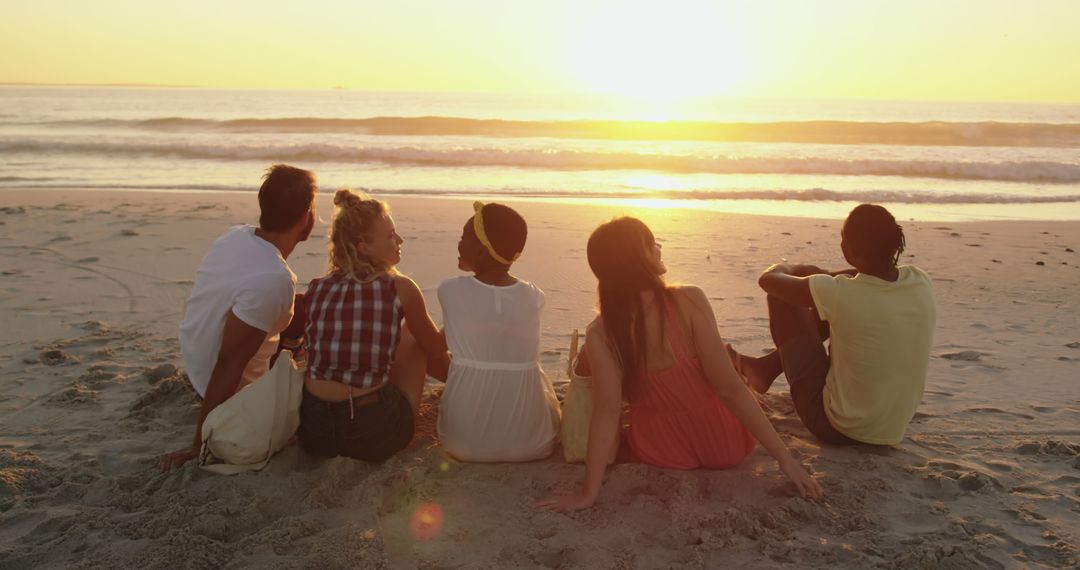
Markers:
point(805, 365)
point(381, 425)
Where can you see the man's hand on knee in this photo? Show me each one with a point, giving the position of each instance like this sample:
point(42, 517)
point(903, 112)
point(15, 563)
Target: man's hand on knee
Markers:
point(806, 270)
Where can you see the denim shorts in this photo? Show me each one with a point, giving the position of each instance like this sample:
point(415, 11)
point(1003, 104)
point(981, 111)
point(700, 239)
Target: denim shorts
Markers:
point(374, 428)
point(806, 364)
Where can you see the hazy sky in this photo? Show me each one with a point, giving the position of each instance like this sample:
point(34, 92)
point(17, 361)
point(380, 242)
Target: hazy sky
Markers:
point(1027, 50)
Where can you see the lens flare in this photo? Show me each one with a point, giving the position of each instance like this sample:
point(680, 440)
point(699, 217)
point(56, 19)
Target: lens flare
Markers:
point(426, 521)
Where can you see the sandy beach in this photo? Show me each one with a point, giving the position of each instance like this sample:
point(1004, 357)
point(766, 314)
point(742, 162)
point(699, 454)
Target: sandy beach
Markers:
point(91, 392)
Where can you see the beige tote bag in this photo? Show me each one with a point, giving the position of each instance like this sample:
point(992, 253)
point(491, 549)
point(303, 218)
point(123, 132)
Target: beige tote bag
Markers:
point(577, 411)
point(247, 429)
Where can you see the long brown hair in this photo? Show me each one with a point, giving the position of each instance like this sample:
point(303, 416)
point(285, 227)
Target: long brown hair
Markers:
point(617, 253)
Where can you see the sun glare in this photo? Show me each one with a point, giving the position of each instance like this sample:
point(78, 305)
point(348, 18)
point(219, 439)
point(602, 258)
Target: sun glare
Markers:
point(660, 52)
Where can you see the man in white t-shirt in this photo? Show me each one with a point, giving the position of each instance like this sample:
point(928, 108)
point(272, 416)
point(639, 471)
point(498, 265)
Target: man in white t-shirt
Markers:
point(243, 296)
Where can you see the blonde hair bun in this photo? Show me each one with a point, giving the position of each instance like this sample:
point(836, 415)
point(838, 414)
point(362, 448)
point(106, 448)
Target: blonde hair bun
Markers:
point(356, 212)
point(344, 197)
point(350, 198)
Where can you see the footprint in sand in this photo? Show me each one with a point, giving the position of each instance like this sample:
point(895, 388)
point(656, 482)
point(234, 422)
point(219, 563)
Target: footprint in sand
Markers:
point(75, 394)
point(56, 357)
point(160, 372)
point(940, 393)
point(948, 479)
point(1052, 447)
point(1002, 466)
point(999, 411)
point(95, 377)
point(965, 355)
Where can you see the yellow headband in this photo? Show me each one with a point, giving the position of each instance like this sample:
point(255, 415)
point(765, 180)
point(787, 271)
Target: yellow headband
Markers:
point(478, 227)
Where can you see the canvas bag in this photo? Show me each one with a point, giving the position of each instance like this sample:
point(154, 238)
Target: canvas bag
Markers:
point(243, 432)
point(577, 412)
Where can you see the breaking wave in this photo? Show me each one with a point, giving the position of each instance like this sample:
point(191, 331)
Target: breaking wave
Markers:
point(1010, 171)
point(931, 133)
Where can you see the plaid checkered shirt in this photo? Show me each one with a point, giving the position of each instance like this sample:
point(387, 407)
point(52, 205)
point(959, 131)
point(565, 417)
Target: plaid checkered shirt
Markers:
point(352, 329)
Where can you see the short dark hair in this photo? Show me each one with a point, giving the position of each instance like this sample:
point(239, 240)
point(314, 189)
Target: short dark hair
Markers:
point(505, 229)
point(285, 197)
point(875, 231)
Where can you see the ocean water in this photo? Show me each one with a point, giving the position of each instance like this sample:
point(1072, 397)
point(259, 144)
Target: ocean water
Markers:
point(924, 160)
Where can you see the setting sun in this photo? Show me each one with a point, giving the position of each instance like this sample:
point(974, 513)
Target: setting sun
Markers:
point(659, 53)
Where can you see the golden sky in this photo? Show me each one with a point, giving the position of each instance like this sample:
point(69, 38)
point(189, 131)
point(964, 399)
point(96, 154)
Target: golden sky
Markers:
point(1022, 50)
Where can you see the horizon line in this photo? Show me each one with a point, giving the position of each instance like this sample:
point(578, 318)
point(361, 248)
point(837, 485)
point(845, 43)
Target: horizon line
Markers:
point(474, 92)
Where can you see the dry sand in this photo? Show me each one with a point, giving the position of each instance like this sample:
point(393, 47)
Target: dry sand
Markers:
point(93, 286)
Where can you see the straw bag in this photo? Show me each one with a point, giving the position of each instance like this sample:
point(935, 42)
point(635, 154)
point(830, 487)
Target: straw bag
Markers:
point(247, 429)
point(577, 411)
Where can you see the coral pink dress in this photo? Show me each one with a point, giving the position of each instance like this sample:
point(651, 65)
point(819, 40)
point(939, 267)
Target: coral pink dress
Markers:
point(679, 421)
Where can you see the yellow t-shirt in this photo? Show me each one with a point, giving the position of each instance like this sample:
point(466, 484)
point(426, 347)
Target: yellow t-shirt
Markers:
point(880, 336)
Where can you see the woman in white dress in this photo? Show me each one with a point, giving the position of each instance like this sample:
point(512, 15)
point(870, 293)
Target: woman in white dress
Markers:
point(498, 405)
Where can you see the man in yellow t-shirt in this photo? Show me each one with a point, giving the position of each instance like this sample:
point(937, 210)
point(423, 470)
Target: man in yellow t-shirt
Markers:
point(879, 320)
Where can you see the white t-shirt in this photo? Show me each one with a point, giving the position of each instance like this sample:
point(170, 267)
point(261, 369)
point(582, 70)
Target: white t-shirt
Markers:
point(245, 274)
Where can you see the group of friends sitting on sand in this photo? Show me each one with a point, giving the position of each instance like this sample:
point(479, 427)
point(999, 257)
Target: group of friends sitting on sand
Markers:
point(690, 398)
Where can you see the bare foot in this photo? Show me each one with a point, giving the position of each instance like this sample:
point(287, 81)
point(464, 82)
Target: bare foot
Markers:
point(736, 361)
point(758, 373)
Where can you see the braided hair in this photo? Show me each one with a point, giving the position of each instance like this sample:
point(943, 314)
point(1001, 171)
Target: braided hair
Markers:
point(876, 231)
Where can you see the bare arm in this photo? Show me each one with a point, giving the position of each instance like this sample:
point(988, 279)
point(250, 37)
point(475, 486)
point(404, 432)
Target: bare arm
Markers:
point(736, 395)
point(427, 335)
point(603, 425)
point(789, 283)
point(239, 343)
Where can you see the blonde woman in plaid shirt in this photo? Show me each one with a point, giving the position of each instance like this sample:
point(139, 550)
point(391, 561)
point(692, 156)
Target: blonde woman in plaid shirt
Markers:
point(366, 368)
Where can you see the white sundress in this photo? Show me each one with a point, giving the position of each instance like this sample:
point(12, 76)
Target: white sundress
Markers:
point(498, 405)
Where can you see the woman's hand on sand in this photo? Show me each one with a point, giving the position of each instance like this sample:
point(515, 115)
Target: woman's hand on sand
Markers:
point(177, 458)
point(807, 486)
point(566, 500)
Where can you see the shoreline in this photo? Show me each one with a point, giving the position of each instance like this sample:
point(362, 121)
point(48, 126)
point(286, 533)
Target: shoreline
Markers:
point(803, 209)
